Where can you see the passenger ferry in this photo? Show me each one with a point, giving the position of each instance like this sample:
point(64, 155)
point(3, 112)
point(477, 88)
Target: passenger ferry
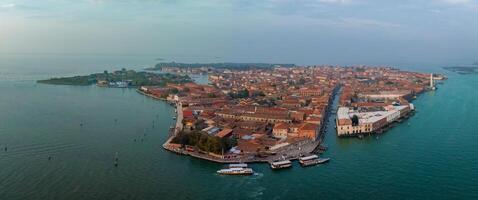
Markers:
point(309, 160)
point(236, 171)
point(312, 160)
point(281, 164)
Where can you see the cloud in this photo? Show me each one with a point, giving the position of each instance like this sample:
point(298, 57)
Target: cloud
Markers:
point(360, 23)
point(469, 4)
point(8, 5)
point(457, 1)
point(335, 1)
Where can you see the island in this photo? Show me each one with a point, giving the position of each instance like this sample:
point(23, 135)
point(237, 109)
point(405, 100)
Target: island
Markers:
point(279, 113)
point(270, 112)
point(120, 78)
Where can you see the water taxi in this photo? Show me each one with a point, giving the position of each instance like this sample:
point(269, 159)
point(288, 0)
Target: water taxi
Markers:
point(323, 160)
point(312, 160)
point(281, 164)
point(309, 160)
point(236, 171)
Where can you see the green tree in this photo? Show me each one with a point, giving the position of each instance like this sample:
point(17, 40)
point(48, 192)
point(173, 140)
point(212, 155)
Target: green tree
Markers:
point(301, 81)
point(355, 120)
point(243, 93)
point(174, 90)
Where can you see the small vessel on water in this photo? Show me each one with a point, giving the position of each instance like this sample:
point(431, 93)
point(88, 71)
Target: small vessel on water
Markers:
point(281, 164)
point(309, 160)
point(323, 160)
point(236, 171)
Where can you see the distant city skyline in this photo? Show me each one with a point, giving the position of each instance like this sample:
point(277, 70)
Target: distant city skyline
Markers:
point(281, 31)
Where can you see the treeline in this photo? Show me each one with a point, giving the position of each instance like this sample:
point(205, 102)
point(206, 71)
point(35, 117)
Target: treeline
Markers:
point(204, 142)
point(76, 80)
point(134, 78)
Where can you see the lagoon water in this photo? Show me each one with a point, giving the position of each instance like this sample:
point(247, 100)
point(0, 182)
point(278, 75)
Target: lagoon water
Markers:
point(433, 155)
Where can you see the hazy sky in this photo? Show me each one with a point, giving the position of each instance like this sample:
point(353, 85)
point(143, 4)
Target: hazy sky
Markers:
point(300, 31)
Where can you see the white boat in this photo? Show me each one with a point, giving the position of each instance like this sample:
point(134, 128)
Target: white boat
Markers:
point(236, 171)
point(323, 160)
point(281, 164)
point(309, 160)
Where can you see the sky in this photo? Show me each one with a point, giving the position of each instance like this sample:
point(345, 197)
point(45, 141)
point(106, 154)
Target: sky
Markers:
point(375, 32)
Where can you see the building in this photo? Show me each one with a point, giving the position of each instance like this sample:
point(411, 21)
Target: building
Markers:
point(353, 122)
point(432, 83)
point(387, 94)
point(280, 130)
point(308, 130)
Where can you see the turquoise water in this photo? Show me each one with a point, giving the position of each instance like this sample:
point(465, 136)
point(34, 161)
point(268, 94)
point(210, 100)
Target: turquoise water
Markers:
point(430, 156)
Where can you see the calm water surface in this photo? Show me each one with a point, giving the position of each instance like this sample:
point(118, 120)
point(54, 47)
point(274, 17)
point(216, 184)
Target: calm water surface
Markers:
point(430, 156)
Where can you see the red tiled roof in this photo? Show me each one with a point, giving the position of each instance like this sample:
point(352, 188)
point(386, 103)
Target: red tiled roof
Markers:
point(187, 113)
point(224, 133)
point(281, 126)
point(309, 126)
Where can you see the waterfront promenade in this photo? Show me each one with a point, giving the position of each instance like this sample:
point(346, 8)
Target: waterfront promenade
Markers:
point(290, 152)
point(177, 128)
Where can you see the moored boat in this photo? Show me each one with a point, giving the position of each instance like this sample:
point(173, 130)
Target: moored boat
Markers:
point(281, 164)
point(236, 171)
point(323, 160)
point(309, 160)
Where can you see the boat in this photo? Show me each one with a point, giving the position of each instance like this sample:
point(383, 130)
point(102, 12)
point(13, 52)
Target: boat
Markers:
point(236, 171)
point(174, 117)
point(281, 164)
point(309, 160)
point(323, 160)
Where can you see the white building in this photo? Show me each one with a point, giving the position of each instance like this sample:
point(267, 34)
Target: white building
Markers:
point(368, 121)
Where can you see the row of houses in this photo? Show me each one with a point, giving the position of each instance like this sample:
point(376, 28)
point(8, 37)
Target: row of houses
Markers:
point(301, 130)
